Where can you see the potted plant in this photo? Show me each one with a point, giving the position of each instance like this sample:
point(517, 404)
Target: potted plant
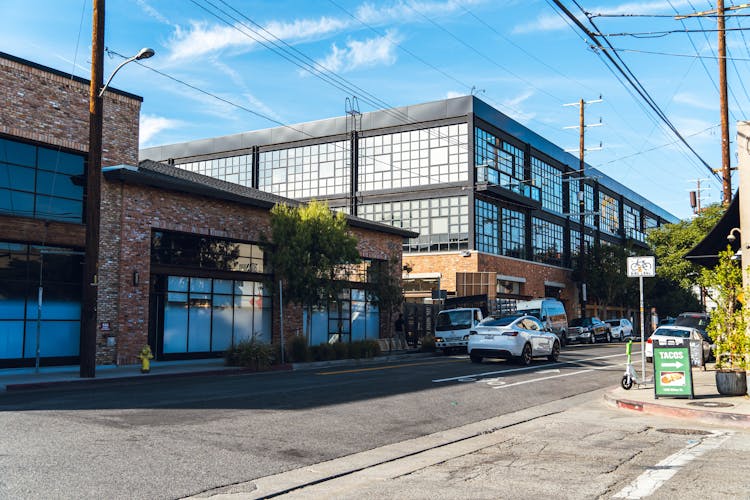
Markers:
point(728, 324)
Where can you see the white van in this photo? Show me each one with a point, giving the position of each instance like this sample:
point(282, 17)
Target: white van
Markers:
point(452, 328)
point(550, 312)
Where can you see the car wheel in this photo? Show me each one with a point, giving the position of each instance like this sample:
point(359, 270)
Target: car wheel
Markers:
point(526, 356)
point(592, 338)
point(446, 351)
point(555, 354)
point(475, 359)
point(564, 340)
point(609, 337)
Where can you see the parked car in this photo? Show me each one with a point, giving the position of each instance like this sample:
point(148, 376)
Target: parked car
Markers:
point(621, 329)
point(588, 330)
point(699, 321)
point(551, 312)
point(664, 333)
point(669, 320)
point(520, 337)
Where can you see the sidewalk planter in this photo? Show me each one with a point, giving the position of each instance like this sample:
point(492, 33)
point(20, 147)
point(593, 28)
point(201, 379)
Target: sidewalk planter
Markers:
point(731, 383)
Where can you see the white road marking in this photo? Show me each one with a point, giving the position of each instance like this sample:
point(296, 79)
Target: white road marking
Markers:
point(522, 369)
point(651, 480)
point(544, 378)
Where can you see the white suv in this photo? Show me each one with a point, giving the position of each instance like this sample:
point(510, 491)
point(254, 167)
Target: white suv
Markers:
point(621, 329)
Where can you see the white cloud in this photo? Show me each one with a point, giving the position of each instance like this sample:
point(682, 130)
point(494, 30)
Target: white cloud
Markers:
point(151, 125)
point(452, 93)
point(153, 13)
point(362, 53)
point(401, 11)
point(555, 22)
point(694, 101)
point(201, 38)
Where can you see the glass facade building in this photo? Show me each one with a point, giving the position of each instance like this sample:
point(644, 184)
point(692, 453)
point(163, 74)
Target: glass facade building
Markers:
point(458, 172)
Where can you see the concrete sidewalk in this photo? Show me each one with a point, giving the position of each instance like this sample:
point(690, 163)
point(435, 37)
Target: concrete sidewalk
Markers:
point(707, 405)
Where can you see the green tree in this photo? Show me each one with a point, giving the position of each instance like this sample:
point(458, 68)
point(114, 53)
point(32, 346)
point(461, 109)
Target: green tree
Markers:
point(671, 242)
point(311, 252)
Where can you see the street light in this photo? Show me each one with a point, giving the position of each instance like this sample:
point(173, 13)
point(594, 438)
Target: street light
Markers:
point(144, 53)
point(93, 190)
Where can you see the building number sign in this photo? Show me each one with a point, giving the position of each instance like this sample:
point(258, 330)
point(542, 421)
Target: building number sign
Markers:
point(641, 267)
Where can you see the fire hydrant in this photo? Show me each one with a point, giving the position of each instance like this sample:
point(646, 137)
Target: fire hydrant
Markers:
point(145, 356)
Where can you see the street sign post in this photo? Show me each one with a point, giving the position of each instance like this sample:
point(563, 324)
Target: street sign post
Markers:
point(640, 267)
point(673, 375)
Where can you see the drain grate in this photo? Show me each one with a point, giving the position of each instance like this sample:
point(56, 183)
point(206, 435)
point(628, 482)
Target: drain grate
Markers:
point(684, 432)
point(711, 404)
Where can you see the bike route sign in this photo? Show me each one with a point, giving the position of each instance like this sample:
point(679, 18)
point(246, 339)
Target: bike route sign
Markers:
point(644, 266)
point(673, 374)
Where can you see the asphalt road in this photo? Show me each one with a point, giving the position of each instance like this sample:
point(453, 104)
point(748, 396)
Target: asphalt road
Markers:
point(172, 438)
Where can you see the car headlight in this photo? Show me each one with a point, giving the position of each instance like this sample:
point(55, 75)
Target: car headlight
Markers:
point(438, 339)
point(466, 337)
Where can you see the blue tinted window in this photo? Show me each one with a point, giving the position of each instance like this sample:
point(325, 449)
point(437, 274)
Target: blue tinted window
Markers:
point(18, 153)
point(58, 161)
point(58, 185)
point(16, 177)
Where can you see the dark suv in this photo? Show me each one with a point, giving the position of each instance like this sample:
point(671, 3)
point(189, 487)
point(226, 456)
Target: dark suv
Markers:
point(588, 330)
point(699, 321)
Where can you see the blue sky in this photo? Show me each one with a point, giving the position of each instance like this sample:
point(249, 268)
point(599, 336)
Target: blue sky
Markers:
point(520, 56)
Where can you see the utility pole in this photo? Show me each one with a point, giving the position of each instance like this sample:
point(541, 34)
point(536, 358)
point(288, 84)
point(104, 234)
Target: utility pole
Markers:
point(581, 195)
point(726, 171)
point(696, 197)
point(93, 196)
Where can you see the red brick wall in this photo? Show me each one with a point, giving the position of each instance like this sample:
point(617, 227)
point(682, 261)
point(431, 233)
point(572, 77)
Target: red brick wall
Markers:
point(53, 109)
point(448, 264)
point(130, 212)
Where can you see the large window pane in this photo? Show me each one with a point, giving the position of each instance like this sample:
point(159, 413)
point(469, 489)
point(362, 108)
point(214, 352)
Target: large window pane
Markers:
point(57, 338)
point(221, 322)
point(176, 322)
point(11, 338)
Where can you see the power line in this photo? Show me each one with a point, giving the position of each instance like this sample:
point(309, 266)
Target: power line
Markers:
point(632, 80)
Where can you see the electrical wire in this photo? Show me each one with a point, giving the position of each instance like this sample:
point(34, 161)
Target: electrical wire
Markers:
point(630, 77)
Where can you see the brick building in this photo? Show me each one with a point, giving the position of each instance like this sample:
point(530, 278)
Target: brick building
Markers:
point(180, 264)
point(499, 209)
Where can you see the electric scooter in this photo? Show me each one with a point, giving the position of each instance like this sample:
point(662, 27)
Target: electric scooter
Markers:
point(630, 376)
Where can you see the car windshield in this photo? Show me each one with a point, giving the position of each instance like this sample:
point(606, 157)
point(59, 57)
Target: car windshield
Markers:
point(453, 320)
point(613, 322)
point(699, 321)
point(537, 313)
point(581, 322)
point(504, 321)
point(672, 332)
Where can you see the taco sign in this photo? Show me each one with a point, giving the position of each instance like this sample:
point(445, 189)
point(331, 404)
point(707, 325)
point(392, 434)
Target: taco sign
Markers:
point(672, 371)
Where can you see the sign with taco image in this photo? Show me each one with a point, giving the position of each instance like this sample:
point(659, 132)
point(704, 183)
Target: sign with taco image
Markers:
point(672, 369)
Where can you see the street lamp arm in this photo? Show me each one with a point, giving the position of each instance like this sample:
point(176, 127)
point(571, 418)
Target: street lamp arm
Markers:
point(144, 53)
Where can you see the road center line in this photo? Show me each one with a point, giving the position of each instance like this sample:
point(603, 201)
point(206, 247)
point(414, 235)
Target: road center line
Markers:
point(525, 368)
point(651, 480)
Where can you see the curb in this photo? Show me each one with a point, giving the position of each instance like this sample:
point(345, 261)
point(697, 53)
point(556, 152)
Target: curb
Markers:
point(28, 386)
point(706, 416)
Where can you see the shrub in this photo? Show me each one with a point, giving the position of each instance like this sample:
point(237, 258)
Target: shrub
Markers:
point(298, 351)
point(372, 348)
point(428, 344)
point(356, 350)
point(252, 354)
point(341, 349)
point(323, 352)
